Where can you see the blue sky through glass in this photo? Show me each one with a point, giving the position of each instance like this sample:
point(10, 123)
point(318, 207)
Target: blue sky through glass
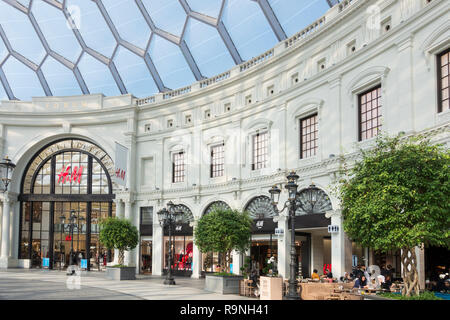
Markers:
point(209, 7)
point(23, 81)
point(60, 79)
point(134, 73)
point(97, 76)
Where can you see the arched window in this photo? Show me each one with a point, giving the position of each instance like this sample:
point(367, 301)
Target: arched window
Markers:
point(216, 204)
point(70, 177)
point(260, 208)
point(313, 201)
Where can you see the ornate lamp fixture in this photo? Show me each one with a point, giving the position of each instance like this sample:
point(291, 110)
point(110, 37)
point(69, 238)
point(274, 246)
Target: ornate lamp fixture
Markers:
point(6, 170)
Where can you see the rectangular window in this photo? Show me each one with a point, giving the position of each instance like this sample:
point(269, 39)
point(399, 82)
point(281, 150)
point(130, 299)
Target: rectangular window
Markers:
point(217, 161)
point(178, 167)
point(369, 113)
point(443, 79)
point(309, 138)
point(260, 151)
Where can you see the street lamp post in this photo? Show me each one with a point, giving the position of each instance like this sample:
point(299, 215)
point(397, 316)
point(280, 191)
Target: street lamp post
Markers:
point(168, 217)
point(71, 226)
point(7, 168)
point(292, 206)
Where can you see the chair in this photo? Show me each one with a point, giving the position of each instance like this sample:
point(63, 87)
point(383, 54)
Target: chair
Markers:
point(249, 290)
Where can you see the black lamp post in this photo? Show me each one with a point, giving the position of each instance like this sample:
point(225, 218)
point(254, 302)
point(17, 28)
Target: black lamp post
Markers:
point(70, 227)
point(291, 203)
point(168, 217)
point(7, 167)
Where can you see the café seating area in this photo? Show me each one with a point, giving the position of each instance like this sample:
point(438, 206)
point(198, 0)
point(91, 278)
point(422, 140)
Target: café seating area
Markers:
point(309, 289)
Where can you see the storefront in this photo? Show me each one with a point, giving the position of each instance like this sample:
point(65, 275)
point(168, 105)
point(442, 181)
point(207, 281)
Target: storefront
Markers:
point(146, 237)
point(65, 192)
point(263, 246)
point(182, 241)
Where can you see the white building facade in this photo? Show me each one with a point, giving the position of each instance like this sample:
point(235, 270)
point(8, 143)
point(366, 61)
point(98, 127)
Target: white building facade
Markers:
point(365, 66)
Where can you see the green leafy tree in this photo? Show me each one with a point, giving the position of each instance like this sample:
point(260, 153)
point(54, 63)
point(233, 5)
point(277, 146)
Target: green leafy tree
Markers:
point(397, 197)
point(222, 231)
point(118, 234)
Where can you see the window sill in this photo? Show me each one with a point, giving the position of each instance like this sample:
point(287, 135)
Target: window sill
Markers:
point(443, 117)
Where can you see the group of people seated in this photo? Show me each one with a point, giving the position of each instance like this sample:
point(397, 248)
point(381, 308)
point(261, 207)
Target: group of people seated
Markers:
point(360, 278)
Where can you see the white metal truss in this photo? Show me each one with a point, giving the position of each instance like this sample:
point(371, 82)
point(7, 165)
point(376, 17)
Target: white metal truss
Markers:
point(216, 23)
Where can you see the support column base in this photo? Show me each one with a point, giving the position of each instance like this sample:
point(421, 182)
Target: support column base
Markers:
point(8, 262)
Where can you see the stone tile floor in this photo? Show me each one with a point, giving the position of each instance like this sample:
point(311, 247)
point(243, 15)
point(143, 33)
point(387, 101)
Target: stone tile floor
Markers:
point(37, 284)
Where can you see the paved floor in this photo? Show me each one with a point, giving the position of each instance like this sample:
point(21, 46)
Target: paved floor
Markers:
point(56, 285)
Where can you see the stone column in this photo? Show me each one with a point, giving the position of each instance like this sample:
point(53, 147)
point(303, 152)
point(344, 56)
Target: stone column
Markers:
point(284, 245)
point(5, 257)
point(157, 248)
point(129, 256)
point(337, 244)
point(196, 259)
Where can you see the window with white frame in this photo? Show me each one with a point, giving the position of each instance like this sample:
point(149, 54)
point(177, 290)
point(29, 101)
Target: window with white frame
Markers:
point(443, 80)
point(309, 138)
point(260, 150)
point(178, 167)
point(217, 160)
point(369, 113)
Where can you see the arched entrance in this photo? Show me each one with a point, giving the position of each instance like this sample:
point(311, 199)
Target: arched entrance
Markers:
point(67, 177)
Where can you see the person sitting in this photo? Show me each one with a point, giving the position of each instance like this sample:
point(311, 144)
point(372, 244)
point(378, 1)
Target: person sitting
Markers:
point(346, 278)
point(315, 276)
point(328, 276)
point(387, 283)
point(361, 283)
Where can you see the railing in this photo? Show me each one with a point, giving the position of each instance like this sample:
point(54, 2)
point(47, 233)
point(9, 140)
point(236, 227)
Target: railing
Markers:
point(344, 4)
point(259, 59)
point(175, 93)
point(220, 77)
point(305, 32)
point(148, 100)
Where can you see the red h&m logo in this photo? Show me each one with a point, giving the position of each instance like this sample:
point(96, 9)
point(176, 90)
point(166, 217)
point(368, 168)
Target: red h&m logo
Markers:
point(120, 174)
point(65, 175)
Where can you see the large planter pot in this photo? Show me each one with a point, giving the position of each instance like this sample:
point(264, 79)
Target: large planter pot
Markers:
point(124, 273)
point(222, 284)
point(271, 288)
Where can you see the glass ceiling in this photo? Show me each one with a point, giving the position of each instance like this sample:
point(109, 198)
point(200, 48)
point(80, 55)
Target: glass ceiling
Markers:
point(72, 47)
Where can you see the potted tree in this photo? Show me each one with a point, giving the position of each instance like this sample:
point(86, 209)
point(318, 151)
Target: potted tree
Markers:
point(396, 197)
point(119, 234)
point(222, 231)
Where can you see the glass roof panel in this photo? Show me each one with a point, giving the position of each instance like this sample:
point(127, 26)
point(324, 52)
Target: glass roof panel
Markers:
point(92, 26)
point(167, 15)
point(170, 63)
point(244, 21)
point(295, 15)
point(60, 79)
point(248, 27)
point(20, 33)
point(56, 30)
point(97, 76)
point(129, 21)
point(207, 48)
point(134, 73)
point(23, 81)
point(210, 7)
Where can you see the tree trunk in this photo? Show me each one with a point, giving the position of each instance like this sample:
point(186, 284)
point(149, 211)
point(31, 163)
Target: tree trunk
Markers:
point(409, 273)
point(121, 256)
